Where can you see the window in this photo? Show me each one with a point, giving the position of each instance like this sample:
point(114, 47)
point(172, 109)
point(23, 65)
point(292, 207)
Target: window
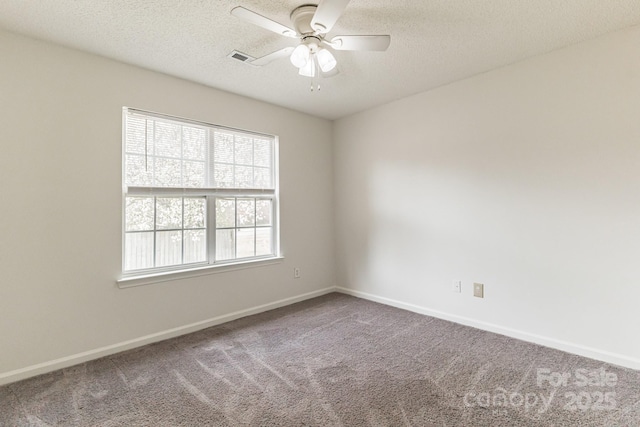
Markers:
point(195, 194)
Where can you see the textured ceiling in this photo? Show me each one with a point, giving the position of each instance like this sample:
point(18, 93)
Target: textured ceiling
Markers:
point(433, 42)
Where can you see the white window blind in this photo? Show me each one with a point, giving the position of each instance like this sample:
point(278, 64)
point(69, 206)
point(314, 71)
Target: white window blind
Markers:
point(195, 194)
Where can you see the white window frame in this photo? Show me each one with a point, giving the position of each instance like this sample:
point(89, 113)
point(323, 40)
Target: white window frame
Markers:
point(158, 274)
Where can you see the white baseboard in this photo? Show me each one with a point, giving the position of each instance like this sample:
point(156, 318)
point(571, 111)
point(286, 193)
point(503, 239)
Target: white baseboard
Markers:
point(65, 362)
point(592, 353)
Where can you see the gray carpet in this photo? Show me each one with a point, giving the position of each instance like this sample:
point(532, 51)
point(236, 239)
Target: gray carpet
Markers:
point(331, 361)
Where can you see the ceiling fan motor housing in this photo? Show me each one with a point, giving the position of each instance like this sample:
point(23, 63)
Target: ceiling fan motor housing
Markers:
point(301, 18)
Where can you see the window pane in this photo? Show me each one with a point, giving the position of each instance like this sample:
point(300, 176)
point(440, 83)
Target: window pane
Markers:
point(195, 246)
point(264, 241)
point(246, 242)
point(246, 213)
point(223, 147)
point(225, 213)
point(262, 178)
point(223, 175)
point(169, 228)
point(168, 213)
point(194, 143)
point(139, 213)
point(138, 172)
point(263, 212)
point(194, 175)
point(244, 150)
point(138, 249)
point(168, 248)
point(168, 172)
point(135, 137)
point(262, 152)
point(167, 140)
point(194, 212)
point(225, 244)
point(244, 177)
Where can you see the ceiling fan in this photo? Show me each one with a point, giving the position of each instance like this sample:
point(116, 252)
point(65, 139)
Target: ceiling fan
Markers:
point(312, 23)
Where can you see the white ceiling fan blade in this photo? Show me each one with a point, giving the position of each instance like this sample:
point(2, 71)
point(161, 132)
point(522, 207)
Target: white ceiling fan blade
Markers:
point(327, 14)
point(278, 54)
point(379, 43)
point(261, 21)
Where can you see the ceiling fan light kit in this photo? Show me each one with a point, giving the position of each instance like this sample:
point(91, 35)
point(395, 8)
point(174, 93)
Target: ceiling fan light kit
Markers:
point(326, 60)
point(300, 56)
point(309, 55)
point(312, 56)
point(308, 70)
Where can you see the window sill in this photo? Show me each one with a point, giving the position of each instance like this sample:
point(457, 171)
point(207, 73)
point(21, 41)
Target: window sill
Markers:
point(148, 279)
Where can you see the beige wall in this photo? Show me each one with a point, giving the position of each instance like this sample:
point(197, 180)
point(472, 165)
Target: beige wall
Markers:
point(60, 227)
point(526, 179)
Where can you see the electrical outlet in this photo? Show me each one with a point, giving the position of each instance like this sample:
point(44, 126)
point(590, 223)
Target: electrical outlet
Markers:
point(296, 273)
point(457, 286)
point(478, 290)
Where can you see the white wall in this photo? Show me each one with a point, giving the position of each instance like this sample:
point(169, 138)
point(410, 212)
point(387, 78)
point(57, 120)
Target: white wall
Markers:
point(60, 226)
point(526, 179)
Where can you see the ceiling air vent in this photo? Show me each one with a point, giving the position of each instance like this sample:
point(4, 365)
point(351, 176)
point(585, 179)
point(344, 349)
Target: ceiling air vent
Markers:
point(242, 57)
